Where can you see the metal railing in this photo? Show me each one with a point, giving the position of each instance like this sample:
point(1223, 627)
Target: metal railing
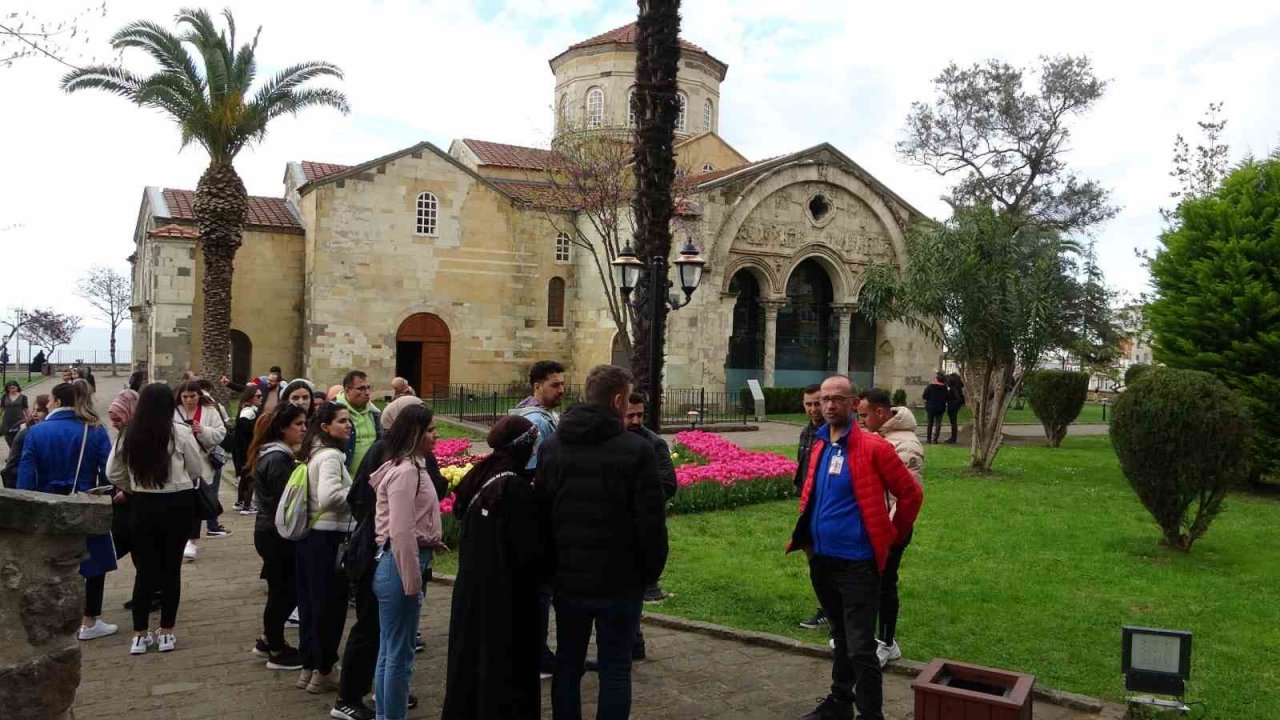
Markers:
point(485, 404)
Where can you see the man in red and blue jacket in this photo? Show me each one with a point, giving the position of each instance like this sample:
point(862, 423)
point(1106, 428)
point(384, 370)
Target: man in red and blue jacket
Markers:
point(845, 528)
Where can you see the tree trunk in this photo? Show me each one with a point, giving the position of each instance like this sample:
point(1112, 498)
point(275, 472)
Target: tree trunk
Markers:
point(113, 351)
point(988, 383)
point(221, 205)
point(657, 105)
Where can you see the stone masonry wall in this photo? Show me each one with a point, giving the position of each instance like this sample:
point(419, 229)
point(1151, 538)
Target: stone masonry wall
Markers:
point(41, 544)
point(484, 273)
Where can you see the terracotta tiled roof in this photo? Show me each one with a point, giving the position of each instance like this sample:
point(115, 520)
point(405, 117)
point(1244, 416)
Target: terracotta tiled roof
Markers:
point(263, 211)
point(316, 170)
point(513, 156)
point(625, 34)
point(175, 231)
point(703, 178)
point(535, 194)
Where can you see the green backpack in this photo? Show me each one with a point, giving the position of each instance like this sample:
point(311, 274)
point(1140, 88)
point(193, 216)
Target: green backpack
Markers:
point(293, 514)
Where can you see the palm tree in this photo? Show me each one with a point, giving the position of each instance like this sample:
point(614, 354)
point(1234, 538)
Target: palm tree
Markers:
point(657, 104)
point(212, 105)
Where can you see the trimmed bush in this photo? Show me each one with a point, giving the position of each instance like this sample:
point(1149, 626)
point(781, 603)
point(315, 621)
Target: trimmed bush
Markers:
point(1183, 438)
point(1056, 397)
point(899, 398)
point(777, 400)
point(1134, 372)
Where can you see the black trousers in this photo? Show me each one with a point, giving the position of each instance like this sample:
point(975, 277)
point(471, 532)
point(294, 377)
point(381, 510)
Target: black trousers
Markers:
point(889, 592)
point(93, 589)
point(934, 429)
point(849, 591)
point(952, 414)
point(160, 525)
point(279, 567)
point(322, 600)
point(244, 488)
point(360, 658)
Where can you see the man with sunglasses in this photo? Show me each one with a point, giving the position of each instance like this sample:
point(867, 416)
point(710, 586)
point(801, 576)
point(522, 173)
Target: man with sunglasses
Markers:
point(845, 529)
point(366, 418)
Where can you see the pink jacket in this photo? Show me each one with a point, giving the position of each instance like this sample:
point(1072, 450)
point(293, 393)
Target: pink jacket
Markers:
point(407, 513)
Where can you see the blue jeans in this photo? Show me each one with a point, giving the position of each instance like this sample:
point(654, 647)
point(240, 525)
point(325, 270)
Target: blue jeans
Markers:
point(616, 622)
point(212, 523)
point(398, 620)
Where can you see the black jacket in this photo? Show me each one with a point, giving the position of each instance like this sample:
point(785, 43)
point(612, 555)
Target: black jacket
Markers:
point(271, 473)
point(666, 468)
point(802, 452)
point(599, 494)
point(936, 396)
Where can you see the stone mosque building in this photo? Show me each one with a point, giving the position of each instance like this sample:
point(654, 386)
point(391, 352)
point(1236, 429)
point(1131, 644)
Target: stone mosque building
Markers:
point(445, 266)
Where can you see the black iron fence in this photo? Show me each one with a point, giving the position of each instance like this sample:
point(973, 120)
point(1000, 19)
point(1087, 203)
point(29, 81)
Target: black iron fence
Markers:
point(485, 404)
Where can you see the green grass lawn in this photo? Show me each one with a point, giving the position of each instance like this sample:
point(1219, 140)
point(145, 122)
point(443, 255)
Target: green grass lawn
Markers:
point(1033, 568)
point(24, 378)
point(1090, 414)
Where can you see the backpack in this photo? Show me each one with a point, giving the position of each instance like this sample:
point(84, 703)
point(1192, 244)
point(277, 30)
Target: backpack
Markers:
point(293, 514)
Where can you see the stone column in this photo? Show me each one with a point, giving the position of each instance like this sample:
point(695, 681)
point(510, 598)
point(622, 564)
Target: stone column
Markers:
point(42, 540)
point(771, 308)
point(844, 313)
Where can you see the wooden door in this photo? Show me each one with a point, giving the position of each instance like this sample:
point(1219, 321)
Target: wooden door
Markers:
point(430, 336)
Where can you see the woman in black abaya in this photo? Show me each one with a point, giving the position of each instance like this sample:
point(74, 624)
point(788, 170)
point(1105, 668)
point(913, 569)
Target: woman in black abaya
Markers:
point(494, 628)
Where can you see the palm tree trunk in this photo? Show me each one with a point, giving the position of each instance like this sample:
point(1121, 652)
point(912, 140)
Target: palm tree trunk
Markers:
point(221, 204)
point(657, 62)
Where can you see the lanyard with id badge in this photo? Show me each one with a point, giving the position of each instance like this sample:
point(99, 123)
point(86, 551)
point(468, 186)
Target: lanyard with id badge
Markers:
point(837, 461)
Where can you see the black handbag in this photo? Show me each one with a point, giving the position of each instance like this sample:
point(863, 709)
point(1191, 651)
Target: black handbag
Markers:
point(208, 507)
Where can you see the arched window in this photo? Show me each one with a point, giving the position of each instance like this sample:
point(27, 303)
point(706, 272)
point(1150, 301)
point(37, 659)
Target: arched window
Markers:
point(562, 247)
point(707, 112)
point(427, 212)
point(562, 112)
point(631, 107)
point(555, 302)
point(680, 119)
point(708, 167)
point(595, 107)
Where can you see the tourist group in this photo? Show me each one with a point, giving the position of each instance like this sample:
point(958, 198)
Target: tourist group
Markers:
point(567, 512)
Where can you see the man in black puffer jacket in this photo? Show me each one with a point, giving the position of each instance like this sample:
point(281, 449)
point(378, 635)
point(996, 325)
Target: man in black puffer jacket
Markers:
point(603, 507)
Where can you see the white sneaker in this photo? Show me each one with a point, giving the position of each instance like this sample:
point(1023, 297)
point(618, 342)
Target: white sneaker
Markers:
point(167, 642)
point(141, 644)
point(887, 653)
point(189, 553)
point(96, 630)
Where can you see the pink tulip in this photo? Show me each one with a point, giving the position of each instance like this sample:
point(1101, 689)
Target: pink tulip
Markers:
point(727, 463)
point(450, 448)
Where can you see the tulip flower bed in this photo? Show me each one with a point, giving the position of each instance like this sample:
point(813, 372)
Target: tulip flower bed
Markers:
point(714, 474)
point(455, 463)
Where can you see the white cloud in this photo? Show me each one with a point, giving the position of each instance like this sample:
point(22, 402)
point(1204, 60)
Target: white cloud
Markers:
point(800, 73)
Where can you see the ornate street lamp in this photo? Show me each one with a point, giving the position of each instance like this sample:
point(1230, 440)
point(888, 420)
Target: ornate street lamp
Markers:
point(628, 270)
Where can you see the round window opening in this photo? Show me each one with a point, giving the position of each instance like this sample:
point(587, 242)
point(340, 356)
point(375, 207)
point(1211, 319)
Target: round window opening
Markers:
point(819, 207)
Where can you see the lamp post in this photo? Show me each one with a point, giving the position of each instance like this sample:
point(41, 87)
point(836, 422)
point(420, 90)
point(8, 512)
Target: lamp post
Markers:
point(628, 270)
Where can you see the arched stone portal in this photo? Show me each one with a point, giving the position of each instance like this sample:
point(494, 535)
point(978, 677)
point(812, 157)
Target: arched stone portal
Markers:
point(745, 359)
point(423, 346)
point(806, 328)
point(241, 357)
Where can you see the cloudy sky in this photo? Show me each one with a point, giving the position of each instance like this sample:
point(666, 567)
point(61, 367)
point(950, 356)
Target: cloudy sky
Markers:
point(800, 73)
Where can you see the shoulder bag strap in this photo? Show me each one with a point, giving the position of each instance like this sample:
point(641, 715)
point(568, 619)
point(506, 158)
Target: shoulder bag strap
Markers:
point(75, 479)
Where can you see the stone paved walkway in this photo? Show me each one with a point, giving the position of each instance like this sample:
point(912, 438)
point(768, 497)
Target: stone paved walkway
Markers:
point(212, 674)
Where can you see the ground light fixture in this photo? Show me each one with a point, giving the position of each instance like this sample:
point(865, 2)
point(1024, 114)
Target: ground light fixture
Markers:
point(1158, 662)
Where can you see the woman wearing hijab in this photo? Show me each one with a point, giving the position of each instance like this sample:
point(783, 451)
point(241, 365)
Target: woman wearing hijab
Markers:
point(494, 638)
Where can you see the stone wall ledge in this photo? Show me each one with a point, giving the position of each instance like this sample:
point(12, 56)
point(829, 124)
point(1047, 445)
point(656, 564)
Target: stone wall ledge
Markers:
point(37, 513)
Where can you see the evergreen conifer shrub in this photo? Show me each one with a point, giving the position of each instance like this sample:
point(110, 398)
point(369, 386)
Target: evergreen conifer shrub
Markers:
point(1183, 438)
point(1056, 397)
point(899, 398)
point(1134, 372)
